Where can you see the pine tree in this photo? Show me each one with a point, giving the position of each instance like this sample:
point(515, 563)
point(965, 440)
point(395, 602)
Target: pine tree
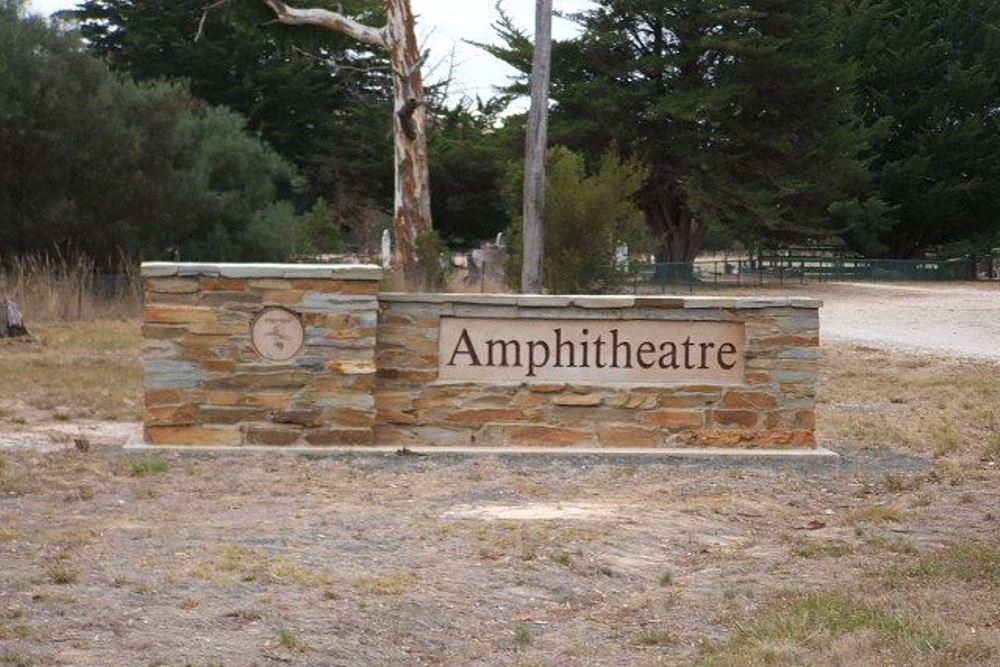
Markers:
point(929, 77)
point(741, 111)
point(317, 97)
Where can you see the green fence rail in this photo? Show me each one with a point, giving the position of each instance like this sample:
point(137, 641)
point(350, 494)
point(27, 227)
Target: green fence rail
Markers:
point(778, 270)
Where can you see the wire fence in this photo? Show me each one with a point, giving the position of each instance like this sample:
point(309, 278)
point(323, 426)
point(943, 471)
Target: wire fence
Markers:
point(776, 270)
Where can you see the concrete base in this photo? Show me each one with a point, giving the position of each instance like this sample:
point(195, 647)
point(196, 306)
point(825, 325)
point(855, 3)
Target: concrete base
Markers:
point(682, 452)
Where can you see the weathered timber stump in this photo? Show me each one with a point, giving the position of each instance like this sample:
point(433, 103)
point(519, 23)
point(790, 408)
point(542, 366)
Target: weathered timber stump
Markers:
point(11, 322)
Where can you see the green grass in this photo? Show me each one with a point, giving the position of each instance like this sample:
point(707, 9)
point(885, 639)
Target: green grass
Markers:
point(288, 640)
point(145, 467)
point(61, 574)
point(804, 630)
point(522, 635)
point(815, 549)
point(655, 637)
point(992, 450)
point(969, 562)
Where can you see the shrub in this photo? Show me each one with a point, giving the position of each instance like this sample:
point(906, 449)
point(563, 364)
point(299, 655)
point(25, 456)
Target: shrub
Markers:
point(586, 218)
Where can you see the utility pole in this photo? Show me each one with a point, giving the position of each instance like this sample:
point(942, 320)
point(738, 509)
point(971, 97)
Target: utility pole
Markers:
point(535, 149)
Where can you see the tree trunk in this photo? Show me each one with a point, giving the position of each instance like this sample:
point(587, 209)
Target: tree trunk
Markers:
point(11, 323)
point(413, 193)
point(535, 145)
point(412, 205)
point(682, 235)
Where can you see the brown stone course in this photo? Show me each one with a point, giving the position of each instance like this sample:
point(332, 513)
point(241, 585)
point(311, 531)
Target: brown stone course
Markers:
point(367, 377)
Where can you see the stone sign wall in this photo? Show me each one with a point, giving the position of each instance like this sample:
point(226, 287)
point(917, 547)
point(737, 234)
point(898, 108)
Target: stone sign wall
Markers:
point(259, 354)
point(687, 387)
point(313, 355)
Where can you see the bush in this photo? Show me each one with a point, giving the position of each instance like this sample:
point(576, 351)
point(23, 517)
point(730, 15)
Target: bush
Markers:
point(95, 164)
point(586, 218)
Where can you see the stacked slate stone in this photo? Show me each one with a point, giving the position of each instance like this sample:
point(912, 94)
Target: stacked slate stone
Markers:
point(207, 383)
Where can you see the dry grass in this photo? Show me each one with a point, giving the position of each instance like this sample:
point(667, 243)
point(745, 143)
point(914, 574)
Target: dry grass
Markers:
point(946, 409)
point(393, 583)
point(84, 370)
point(237, 563)
point(842, 627)
point(873, 587)
point(56, 288)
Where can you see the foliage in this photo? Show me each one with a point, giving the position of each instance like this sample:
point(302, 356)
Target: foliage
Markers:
point(468, 158)
point(586, 218)
point(94, 163)
point(433, 260)
point(319, 98)
point(740, 110)
point(317, 231)
point(928, 75)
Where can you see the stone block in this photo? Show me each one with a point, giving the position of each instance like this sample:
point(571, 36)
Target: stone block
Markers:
point(171, 285)
point(261, 381)
point(301, 417)
point(351, 367)
point(547, 387)
point(686, 400)
point(252, 399)
point(628, 435)
point(218, 365)
point(282, 297)
point(749, 400)
point(674, 418)
point(214, 414)
point(213, 283)
point(340, 436)
point(165, 373)
point(542, 435)
point(177, 314)
point(632, 401)
point(193, 435)
point(578, 400)
point(171, 415)
point(349, 417)
point(485, 415)
point(258, 434)
point(744, 418)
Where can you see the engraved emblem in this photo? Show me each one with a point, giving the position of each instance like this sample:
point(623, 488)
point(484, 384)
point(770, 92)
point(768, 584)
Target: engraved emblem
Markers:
point(277, 334)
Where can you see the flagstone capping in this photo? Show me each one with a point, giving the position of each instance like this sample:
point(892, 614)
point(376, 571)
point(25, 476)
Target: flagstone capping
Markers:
point(612, 302)
point(331, 271)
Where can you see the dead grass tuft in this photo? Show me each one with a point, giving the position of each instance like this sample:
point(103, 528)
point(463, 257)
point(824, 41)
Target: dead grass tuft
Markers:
point(394, 583)
point(875, 514)
point(237, 563)
point(817, 549)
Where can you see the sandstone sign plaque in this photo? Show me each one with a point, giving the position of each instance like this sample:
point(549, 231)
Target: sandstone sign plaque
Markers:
point(591, 351)
point(277, 334)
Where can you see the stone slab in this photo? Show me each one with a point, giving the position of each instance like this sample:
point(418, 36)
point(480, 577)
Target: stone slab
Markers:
point(646, 452)
point(606, 301)
point(229, 270)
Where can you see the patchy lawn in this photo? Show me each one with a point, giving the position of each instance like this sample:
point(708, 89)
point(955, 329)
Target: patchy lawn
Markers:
point(890, 556)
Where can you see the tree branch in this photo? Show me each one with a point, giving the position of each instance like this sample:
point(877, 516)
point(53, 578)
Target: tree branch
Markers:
point(326, 19)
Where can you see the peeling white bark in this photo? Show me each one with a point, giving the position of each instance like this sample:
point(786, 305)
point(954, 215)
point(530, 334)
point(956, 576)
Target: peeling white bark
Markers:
point(327, 19)
point(412, 203)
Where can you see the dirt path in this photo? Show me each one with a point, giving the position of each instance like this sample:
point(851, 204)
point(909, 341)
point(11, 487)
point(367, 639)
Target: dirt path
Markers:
point(957, 319)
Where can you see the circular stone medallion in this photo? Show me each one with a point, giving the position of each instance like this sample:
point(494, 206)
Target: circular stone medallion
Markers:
point(277, 334)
